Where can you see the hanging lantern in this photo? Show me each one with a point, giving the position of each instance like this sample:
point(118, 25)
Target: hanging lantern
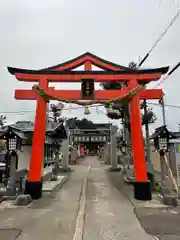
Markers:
point(113, 114)
point(86, 110)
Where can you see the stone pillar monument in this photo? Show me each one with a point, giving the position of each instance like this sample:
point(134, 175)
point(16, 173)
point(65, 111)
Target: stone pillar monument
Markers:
point(65, 151)
point(113, 149)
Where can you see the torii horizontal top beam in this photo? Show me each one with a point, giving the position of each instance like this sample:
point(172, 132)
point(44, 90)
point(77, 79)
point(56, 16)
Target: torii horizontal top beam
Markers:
point(162, 70)
point(97, 76)
point(76, 94)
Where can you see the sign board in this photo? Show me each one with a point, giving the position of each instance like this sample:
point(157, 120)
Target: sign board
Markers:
point(81, 138)
point(98, 138)
point(177, 154)
point(87, 89)
point(86, 138)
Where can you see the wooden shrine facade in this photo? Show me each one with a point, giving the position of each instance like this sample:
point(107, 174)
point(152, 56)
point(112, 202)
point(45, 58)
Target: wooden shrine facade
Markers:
point(100, 133)
point(110, 72)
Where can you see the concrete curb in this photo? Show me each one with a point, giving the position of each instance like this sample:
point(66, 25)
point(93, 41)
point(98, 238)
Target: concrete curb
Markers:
point(155, 238)
point(60, 184)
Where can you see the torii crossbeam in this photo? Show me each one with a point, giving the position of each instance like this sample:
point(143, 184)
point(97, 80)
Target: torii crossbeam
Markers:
point(110, 72)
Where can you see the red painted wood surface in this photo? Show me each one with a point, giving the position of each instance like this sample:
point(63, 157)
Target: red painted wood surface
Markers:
point(37, 154)
point(90, 59)
point(140, 169)
point(97, 77)
point(76, 94)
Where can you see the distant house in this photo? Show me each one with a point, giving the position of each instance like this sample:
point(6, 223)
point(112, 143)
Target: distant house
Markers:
point(55, 133)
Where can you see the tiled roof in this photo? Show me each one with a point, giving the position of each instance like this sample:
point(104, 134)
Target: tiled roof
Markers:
point(160, 130)
point(22, 128)
point(28, 126)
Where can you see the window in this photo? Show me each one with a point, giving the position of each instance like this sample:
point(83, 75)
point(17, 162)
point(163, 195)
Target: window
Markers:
point(12, 143)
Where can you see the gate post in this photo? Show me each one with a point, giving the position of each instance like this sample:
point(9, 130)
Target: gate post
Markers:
point(142, 187)
point(34, 182)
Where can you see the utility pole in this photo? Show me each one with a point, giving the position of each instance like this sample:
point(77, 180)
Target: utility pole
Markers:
point(163, 168)
point(163, 111)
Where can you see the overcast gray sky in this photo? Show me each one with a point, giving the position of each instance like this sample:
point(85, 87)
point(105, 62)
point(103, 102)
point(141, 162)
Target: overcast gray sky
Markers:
point(38, 34)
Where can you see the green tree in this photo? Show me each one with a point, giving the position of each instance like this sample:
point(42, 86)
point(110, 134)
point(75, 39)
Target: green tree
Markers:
point(118, 113)
point(133, 65)
point(146, 118)
point(2, 120)
point(117, 85)
point(81, 124)
point(56, 110)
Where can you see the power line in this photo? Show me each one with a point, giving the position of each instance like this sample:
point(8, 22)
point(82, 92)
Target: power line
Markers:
point(159, 5)
point(166, 105)
point(99, 105)
point(64, 109)
point(161, 36)
point(167, 75)
point(172, 2)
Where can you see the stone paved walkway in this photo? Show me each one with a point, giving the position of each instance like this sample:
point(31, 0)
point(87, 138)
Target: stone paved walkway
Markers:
point(109, 215)
point(156, 218)
point(51, 218)
point(87, 206)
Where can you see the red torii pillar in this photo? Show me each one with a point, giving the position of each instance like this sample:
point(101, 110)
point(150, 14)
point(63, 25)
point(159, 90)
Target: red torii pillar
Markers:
point(142, 187)
point(34, 182)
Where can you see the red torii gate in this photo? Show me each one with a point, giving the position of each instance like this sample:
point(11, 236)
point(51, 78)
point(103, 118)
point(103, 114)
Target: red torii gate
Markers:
point(110, 72)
